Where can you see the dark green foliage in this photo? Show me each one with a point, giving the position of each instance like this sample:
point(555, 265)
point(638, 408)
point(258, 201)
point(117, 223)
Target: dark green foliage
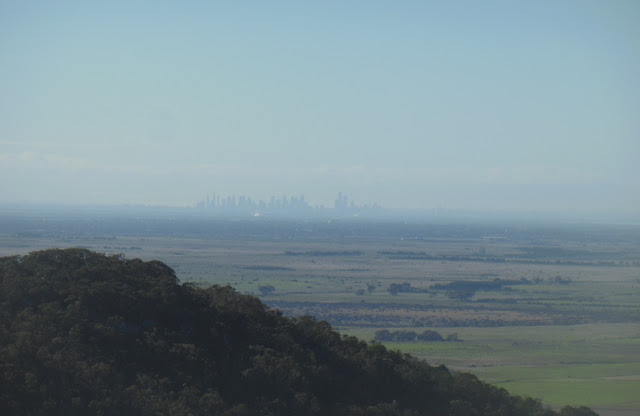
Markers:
point(411, 336)
point(86, 334)
point(395, 288)
point(577, 411)
point(266, 290)
point(429, 335)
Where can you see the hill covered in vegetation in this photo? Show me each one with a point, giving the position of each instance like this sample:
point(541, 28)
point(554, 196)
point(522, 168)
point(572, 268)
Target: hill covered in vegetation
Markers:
point(82, 333)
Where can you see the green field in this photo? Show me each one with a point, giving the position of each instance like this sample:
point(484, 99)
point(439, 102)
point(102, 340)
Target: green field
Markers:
point(596, 365)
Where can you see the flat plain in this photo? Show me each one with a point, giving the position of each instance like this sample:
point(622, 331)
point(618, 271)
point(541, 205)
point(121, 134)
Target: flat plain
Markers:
point(546, 310)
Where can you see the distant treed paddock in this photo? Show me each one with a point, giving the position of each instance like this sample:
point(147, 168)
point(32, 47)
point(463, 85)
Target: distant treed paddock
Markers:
point(324, 253)
point(532, 255)
point(428, 335)
point(389, 315)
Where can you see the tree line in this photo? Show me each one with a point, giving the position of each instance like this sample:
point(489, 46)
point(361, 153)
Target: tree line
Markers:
point(403, 335)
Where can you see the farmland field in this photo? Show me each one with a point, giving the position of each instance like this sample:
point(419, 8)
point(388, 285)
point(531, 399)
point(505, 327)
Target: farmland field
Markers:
point(547, 310)
point(596, 365)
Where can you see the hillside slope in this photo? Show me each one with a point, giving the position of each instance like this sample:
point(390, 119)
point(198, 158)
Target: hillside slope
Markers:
point(82, 333)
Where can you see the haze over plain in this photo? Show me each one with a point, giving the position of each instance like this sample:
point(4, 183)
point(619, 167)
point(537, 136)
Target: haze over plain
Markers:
point(492, 105)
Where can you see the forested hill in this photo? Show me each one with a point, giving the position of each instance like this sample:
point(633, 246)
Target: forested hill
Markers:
point(82, 333)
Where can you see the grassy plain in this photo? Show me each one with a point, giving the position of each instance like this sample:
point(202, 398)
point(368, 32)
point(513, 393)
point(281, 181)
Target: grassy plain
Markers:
point(554, 313)
point(596, 365)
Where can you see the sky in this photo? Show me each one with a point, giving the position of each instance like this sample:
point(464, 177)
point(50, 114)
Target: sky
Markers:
point(476, 105)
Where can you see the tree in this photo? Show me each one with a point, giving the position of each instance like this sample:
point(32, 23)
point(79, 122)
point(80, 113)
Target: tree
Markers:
point(266, 290)
point(429, 335)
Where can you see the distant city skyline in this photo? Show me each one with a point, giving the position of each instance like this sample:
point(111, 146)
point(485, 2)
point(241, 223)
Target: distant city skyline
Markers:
point(283, 204)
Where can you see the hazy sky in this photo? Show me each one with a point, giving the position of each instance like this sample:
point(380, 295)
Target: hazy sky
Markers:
point(461, 104)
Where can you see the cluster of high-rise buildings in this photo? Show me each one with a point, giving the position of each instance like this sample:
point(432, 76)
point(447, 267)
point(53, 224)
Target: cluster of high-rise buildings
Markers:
point(284, 205)
point(232, 202)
